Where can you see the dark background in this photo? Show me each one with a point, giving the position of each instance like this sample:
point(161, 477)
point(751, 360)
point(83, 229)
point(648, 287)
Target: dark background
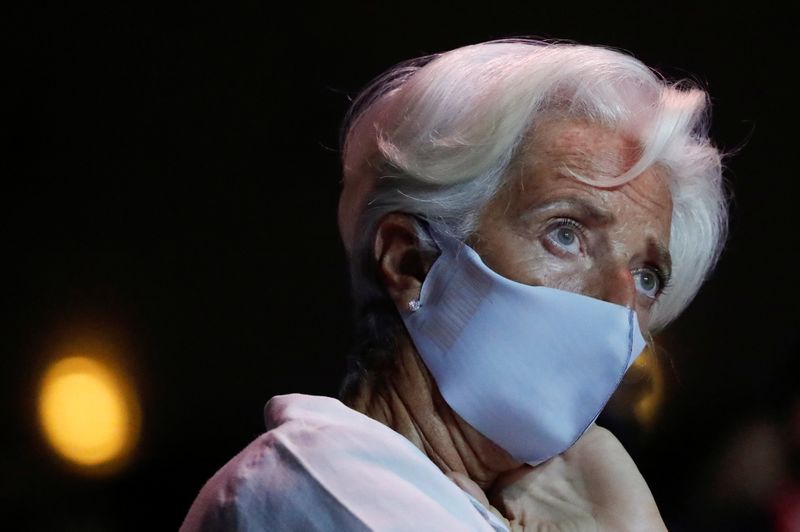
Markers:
point(170, 187)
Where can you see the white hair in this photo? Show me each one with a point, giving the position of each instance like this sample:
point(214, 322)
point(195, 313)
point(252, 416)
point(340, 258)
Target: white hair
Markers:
point(435, 138)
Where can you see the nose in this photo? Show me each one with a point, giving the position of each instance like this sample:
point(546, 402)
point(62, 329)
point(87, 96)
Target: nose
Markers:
point(619, 287)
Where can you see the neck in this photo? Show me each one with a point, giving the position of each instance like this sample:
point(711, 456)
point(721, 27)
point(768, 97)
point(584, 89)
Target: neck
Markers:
point(408, 401)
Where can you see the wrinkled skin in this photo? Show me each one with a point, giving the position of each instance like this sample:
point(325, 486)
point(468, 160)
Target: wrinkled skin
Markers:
point(592, 486)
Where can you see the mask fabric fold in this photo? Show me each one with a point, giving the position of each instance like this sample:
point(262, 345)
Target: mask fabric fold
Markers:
point(529, 367)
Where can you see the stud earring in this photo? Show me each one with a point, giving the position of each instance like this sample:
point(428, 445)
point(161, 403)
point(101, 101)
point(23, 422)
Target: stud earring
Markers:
point(414, 305)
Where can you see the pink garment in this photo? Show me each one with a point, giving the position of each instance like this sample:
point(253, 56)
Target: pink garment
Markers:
point(324, 466)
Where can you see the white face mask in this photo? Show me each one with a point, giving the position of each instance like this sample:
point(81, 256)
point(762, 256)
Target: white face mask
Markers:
point(529, 367)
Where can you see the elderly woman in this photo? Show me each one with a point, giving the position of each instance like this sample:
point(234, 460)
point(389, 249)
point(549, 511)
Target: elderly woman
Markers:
point(517, 215)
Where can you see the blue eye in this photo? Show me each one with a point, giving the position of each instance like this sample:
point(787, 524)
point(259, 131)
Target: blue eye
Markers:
point(566, 235)
point(648, 282)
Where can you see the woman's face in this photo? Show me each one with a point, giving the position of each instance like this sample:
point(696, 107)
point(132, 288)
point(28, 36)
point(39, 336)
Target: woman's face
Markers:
point(547, 228)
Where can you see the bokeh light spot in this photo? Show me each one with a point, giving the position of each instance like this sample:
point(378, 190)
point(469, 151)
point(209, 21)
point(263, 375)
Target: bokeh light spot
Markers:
point(88, 413)
point(651, 399)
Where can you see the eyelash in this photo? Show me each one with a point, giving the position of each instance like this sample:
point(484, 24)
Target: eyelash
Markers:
point(561, 222)
point(664, 282)
point(558, 223)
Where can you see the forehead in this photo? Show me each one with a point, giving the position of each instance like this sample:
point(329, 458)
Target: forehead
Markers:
point(593, 150)
point(559, 150)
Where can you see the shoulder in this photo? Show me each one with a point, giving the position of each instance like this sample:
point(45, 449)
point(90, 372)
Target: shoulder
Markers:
point(323, 466)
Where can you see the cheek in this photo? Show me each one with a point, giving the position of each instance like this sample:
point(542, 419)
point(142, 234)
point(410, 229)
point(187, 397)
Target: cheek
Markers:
point(575, 278)
point(540, 268)
point(644, 319)
point(526, 261)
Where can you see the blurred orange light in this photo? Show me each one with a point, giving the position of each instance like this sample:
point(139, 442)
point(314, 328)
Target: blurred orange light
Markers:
point(89, 414)
point(648, 406)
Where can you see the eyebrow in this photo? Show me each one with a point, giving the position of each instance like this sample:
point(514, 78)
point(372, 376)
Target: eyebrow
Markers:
point(586, 209)
point(664, 258)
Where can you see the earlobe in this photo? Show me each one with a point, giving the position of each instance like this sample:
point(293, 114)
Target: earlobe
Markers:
point(401, 262)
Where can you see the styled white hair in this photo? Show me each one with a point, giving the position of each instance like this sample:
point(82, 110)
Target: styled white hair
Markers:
point(436, 137)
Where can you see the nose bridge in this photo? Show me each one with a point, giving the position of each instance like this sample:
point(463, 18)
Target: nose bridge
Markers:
point(619, 286)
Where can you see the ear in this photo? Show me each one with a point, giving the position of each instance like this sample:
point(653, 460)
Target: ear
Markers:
point(401, 262)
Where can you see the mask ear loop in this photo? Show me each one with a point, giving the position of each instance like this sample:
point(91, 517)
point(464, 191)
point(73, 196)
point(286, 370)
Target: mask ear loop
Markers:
point(427, 232)
point(440, 239)
point(649, 341)
point(442, 242)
